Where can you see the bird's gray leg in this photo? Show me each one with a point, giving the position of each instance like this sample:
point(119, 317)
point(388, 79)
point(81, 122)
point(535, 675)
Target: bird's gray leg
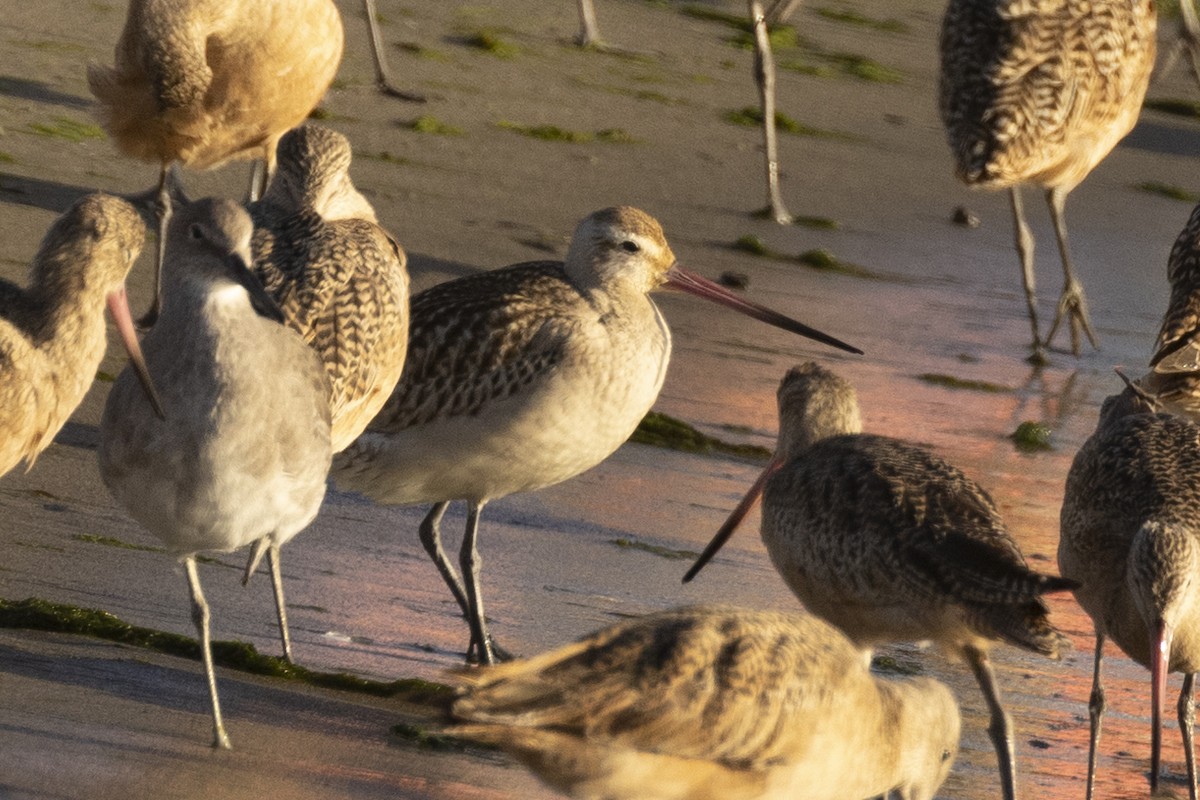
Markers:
point(431, 538)
point(382, 79)
point(1071, 304)
point(1001, 727)
point(1096, 707)
point(280, 607)
point(764, 77)
point(1187, 717)
point(470, 563)
point(1024, 243)
point(200, 617)
point(589, 31)
point(163, 201)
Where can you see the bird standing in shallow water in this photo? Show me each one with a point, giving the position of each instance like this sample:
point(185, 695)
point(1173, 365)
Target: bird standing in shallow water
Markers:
point(714, 703)
point(1040, 93)
point(1130, 534)
point(52, 334)
point(244, 453)
point(200, 82)
point(338, 277)
point(890, 543)
point(523, 377)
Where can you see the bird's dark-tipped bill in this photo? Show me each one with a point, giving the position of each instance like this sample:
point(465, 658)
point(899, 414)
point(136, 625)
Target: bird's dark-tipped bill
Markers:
point(690, 282)
point(735, 518)
point(118, 307)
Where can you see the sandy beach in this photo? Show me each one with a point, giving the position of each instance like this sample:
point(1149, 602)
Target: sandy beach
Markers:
point(937, 307)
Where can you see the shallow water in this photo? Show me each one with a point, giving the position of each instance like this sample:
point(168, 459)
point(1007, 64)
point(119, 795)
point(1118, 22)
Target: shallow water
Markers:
point(364, 598)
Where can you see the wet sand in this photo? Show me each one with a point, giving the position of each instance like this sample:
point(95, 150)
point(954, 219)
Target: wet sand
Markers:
point(81, 718)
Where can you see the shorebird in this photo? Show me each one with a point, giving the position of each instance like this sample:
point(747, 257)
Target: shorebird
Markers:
point(200, 82)
point(1130, 534)
point(338, 277)
point(891, 543)
point(707, 703)
point(524, 377)
point(1039, 93)
point(52, 334)
point(243, 456)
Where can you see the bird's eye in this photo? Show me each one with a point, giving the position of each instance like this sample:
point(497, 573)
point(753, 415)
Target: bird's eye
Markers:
point(194, 232)
point(945, 755)
point(630, 246)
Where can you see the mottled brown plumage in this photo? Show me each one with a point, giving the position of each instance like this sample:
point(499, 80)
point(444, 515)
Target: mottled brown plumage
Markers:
point(1039, 91)
point(1130, 534)
point(52, 334)
point(199, 82)
point(1174, 377)
point(891, 543)
point(714, 702)
point(339, 278)
point(526, 376)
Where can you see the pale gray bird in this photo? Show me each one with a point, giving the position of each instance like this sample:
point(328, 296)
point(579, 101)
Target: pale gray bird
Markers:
point(714, 703)
point(244, 452)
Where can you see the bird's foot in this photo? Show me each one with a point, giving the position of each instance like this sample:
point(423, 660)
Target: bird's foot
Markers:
point(1072, 307)
point(400, 94)
point(776, 213)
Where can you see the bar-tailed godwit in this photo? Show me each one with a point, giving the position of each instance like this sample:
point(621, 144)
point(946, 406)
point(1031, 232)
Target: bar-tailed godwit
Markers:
point(338, 276)
point(526, 376)
point(244, 454)
point(1040, 93)
point(715, 703)
point(199, 82)
point(52, 333)
point(890, 543)
point(1130, 534)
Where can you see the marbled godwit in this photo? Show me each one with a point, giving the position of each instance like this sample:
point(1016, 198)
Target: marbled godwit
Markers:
point(199, 82)
point(1131, 537)
point(1040, 93)
point(523, 377)
point(339, 278)
point(714, 703)
point(244, 455)
point(891, 543)
point(52, 334)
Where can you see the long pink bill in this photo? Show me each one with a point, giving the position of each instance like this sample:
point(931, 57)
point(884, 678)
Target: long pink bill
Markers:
point(735, 518)
point(1160, 665)
point(690, 282)
point(118, 306)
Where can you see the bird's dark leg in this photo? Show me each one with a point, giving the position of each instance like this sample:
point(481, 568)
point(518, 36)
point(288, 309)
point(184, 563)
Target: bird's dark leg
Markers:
point(1000, 729)
point(764, 77)
point(1187, 719)
point(470, 563)
point(382, 78)
point(1071, 304)
point(1024, 243)
point(280, 607)
point(164, 220)
point(431, 539)
point(1096, 707)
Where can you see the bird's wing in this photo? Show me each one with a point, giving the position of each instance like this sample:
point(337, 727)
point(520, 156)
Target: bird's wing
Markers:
point(480, 339)
point(715, 684)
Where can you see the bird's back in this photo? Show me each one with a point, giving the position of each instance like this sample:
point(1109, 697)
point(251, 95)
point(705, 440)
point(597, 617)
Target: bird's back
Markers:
point(342, 285)
point(891, 543)
point(707, 702)
point(1041, 90)
point(502, 369)
point(202, 81)
point(1141, 469)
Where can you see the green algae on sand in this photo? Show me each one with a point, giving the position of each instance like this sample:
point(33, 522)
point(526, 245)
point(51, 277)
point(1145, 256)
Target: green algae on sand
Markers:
point(37, 614)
